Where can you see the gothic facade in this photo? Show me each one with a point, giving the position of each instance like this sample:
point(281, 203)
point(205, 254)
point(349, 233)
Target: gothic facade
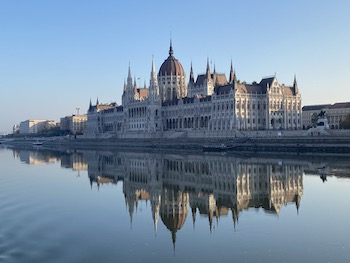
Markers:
point(209, 106)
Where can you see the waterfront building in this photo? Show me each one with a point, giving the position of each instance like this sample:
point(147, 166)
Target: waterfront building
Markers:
point(76, 124)
point(333, 112)
point(35, 126)
point(210, 106)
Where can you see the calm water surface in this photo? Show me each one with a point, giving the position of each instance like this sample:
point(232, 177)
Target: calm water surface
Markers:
point(90, 206)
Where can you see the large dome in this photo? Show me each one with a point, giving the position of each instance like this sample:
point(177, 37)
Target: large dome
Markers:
point(171, 66)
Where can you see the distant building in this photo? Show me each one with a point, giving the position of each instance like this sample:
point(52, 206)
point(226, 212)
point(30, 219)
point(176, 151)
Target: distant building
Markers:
point(75, 123)
point(35, 126)
point(15, 129)
point(334, 113)
point(209, 106)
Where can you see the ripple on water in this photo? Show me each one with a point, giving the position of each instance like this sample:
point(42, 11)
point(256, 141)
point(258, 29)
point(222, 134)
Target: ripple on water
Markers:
point(29, 233)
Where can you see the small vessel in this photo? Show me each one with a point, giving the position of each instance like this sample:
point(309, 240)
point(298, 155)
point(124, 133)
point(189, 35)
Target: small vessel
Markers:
point(38, 143)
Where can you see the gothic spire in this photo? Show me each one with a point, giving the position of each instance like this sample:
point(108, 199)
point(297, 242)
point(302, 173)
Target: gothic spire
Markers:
point(129, 79)
point(135, 86)
point(193, 216)
point(295, 85)
point(232, 74)
point(153, 87)
point(208, 75)
point(191, 74)
point(129, 72)
point(153, 71)
point(97, 102)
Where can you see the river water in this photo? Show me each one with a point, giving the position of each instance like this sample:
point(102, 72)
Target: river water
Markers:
point(93, 206)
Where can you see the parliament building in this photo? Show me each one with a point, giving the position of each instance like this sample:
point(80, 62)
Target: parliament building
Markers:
point(209, 105)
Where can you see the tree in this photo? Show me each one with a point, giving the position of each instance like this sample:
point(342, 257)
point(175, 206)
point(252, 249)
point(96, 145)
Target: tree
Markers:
point(345, 123)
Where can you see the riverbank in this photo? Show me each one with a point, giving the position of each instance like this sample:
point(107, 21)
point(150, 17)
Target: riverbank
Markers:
point(298, 145)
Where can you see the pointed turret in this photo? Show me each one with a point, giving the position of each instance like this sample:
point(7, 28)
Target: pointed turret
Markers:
point(295, 85)
point(234, 215)
point(97, 102)
point(129, 80)
point(153, 87)
point(191, 75)
point(90, 105)
point(135, 86)
point(207, 74)
point(297, 203)
point(153, 70)
point(193, 216)
point(232, 74)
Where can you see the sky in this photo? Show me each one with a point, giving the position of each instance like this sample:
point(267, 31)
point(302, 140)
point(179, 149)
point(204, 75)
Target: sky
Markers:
point(57, 55)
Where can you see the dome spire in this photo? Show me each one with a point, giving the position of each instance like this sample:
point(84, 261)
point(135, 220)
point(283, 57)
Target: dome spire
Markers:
point(171, 51)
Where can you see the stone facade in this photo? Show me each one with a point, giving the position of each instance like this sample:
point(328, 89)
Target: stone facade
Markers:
point(209, 106)
point(334, 113)
point(76, 124)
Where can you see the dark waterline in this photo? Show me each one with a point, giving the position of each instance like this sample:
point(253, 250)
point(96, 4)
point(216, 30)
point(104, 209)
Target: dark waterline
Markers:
point(90, 206)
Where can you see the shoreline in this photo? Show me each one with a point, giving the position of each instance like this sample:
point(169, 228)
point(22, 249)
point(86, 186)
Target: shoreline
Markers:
point(286, 145)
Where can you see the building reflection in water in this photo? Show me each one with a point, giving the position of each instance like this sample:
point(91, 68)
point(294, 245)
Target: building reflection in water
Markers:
point(69, 160)
point(178, 184)
point(209, 185)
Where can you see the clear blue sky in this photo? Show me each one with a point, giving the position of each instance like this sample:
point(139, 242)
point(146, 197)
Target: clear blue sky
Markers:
point(56, 55)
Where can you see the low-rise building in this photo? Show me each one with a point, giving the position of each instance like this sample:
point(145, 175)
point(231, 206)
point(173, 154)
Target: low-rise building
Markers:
point(35, 126)
point(75, 124)
point(334, 113)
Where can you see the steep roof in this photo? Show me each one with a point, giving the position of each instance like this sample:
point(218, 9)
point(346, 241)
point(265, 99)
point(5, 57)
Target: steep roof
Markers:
point(225, 89)
point(289, 90)
point(266, 82)
point(200, 79)
point(249, 88)
point(143, 92)
point(219, 78)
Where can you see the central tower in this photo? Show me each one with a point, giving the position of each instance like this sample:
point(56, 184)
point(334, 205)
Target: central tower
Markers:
point(171, 78)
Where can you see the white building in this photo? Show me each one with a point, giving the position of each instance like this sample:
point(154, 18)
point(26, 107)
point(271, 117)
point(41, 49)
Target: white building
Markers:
point(75, 123)
point(35, 126)
point(211, 106)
